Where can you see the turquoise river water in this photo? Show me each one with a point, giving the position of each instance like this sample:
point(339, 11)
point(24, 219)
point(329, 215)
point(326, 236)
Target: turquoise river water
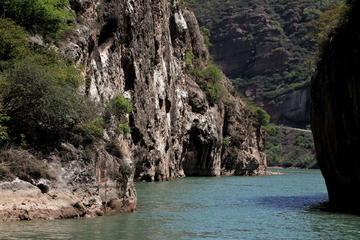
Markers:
point(271, 207)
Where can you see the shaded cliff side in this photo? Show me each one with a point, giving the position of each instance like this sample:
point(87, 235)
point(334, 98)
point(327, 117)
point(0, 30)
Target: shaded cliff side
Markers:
point(138, 49)
point(335, 94)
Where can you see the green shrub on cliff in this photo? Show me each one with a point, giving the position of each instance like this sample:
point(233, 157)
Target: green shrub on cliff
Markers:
point(212, 74)
point(123, 129)
point(46, 17)
point(118, 107)
point(216, 92)
point(39, 105)
point(262, 116)
point(206, 34)
point(94, 128)
point(13, 44)
point(207, 76)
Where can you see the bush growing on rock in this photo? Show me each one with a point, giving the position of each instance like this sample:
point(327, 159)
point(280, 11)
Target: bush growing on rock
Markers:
point(262, 116)
point(118, 107)
point(208, 78)
point(38, 16)
point(206, 34)
point(13, 44)
point(39, 105)
point(94, 128)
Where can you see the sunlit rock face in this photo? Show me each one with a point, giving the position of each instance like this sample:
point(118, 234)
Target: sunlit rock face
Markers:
point(138, 49)
point(335, 118)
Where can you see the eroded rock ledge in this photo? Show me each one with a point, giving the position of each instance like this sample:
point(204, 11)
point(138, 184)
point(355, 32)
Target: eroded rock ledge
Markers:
point(78, 188)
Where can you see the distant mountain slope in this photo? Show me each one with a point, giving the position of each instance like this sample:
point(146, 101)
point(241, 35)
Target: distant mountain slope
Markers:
point(264, 47)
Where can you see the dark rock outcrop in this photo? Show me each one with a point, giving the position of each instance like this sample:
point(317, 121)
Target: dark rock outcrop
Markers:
point(335, 118)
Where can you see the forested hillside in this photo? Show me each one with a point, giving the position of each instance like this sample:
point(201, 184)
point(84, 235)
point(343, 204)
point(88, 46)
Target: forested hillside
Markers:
point(264, 46)
point(271, 27)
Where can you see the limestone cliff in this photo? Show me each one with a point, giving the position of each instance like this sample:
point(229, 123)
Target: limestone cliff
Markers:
point(138, 49)
point(335, 94)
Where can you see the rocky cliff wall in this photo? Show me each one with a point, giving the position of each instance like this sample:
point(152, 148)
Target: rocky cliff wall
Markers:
point(138, 49)
point(291, 108)
point(335, 94)
point(263, 46)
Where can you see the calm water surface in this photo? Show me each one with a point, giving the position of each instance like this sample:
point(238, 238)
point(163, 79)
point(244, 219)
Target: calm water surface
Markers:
point(271, 207)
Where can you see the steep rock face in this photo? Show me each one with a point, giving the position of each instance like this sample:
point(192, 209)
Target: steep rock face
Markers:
point(244, 153)
point(335, 94)
point(291, 108)
point(247, 53)
point(138, 49)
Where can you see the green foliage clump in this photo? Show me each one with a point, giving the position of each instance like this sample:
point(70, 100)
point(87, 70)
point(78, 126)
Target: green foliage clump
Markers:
point(46, 17)
point(94, 128)
point(215, 93)
point(206, 34)
point(13, 44)
point(119, 106)
point(262, 116)
point(290, 148)
point(269, 129)
point(123, 129)
point(39, 105)
point(14, 47)
point(208, 76)
point(212, 74)
point(225, 142)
